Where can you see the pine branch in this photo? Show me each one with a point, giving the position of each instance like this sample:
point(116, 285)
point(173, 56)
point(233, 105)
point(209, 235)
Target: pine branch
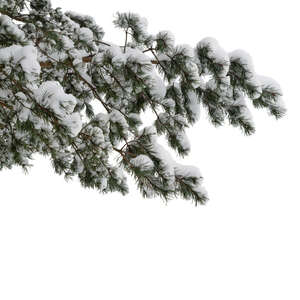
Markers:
point(55, 64)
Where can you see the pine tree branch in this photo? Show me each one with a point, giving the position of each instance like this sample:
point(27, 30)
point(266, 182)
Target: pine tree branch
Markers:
point(122, 153)
point(46, 115)
point(17, 18)
point(157, 60)
point(150, 101)
point(125, 45)
point(97, 96)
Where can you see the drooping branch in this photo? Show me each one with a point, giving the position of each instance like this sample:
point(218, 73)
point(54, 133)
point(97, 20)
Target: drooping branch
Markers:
point(55, 65)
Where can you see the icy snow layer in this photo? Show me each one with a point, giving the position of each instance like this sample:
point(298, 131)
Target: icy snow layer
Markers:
point(142, 162)
point(269, 82)
point(8, 27)
point(51, 95)
point(183, 141)
point(67, 42)
point(119, 57)
point(186, 50)
point(116, 117)
point(216, 53)
point(73, 122)
point(244, 58)
point(157, 87)
point(85, 34)
point(193, 106)
point(26, 56)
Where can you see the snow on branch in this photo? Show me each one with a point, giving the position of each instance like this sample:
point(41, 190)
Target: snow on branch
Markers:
point(68, 94)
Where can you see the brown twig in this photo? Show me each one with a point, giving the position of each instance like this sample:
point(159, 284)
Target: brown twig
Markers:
point(5, 105)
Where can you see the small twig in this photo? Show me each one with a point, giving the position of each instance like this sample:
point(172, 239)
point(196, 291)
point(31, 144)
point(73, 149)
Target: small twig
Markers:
point(5, 105)
point(126, 40)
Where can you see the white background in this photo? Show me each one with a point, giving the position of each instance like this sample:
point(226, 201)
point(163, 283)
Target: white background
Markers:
point(59, 241)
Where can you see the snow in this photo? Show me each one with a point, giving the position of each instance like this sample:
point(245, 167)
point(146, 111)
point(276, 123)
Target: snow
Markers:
point(167, 37)
point(68, 43)
point(269, 82)
point(103, 183)
point(168, 102)
point(245, 59)
point(28, 59)
point(156, 86)
point(186, 50)
point(183, 140)
point(51, 95)
point(136, 55)
point(184, 171)
point(193, 72)
point(79, 164)
point(193, 105)
point(215, 52)
point(119, 176)
point(166, 162)
point(24, 114)
point(21, 96)
point(97, 135)
point(169, 167)
point(211, 84)
point(38, 122)
point(142, 24)
point(102, 119)
point(134, 22)
point(155, 83)
point(85, 34)
point(86, 20)
point(245, 113)
point(26, 56)
point(135, 117)
point(118, 57)
point(142, 162)
point(116, 117)
point(180, 119)
point(7, 26)
point(163, 57)
point(73, 122)
point(120, 101)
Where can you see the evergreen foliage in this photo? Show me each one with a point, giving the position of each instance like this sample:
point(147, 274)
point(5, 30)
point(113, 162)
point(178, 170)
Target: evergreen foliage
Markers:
point(55, 65)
